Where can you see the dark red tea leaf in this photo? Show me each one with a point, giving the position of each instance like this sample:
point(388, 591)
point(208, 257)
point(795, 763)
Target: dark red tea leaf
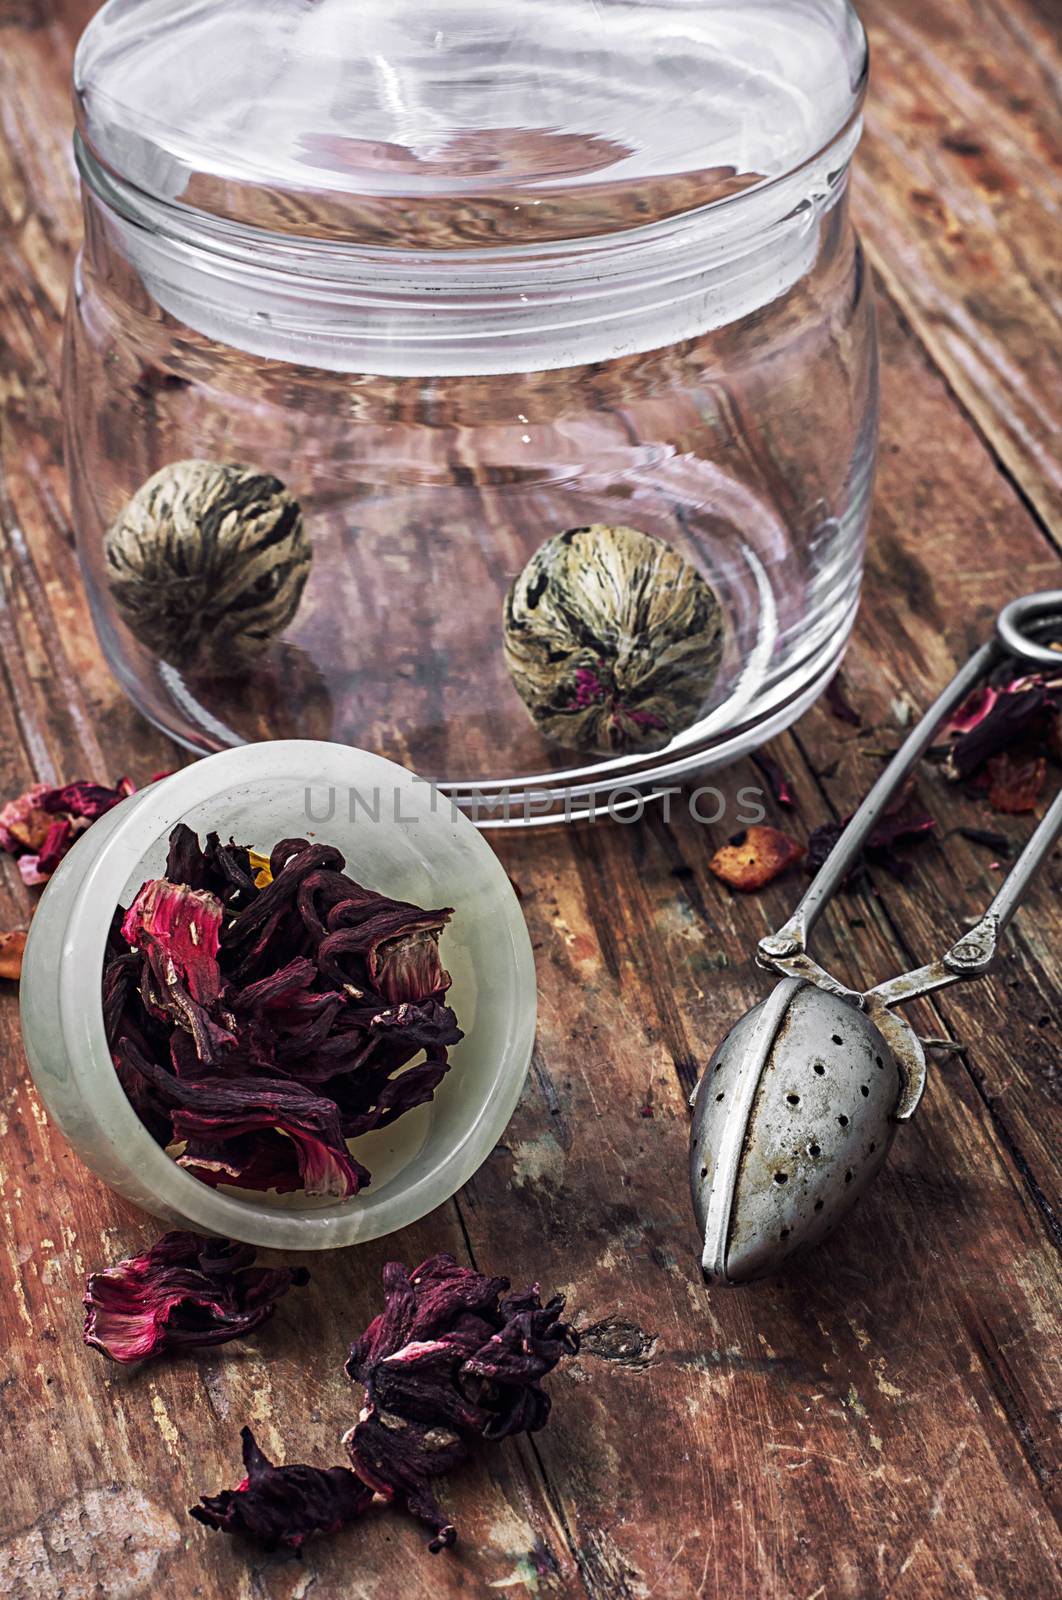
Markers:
point(218, 1114)
point(284, 1505)
point(973, 711)
point(904, 825)
point(776, 778)
point(262, 1015)
point(39, 827)
point(185, 1293)
point(1019, 713)
point(453, 1361)
point(88, 800)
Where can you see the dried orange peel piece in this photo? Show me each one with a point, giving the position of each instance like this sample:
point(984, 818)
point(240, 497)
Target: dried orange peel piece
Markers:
point(1015, 784)
point(12, 949)
point(755, 858)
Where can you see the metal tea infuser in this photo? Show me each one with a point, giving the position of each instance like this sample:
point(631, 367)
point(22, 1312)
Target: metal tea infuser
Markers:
point(798, 1108)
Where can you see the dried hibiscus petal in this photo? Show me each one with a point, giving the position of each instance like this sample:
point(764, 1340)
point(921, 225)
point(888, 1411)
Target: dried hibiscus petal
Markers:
point(271, 1008)
point(904, 825)
point(176, 930)
point(367, 1101)
point(404, 1029)
point(40, 826)
point(61, 835)
point(399, 1458)
point(88, 800)
point(904, 820)
point(248, 935)
point(979, 703)
point(254, 1161)
point(776, 778)
point(388, 1035)
point(215, 1113)
point(185, 1293)
point(224, 869)
point(996, 720)
point(232, 871)
point(186, 862)
point(284, 1505)
point(755, 858)
point(285, 987)
point(408, 968)
point(36, 869)
point(397, 944)
point(452, 1361)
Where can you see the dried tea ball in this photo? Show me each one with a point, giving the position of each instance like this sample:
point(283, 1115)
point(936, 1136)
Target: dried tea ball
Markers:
point(612, 639)
point(207, 563)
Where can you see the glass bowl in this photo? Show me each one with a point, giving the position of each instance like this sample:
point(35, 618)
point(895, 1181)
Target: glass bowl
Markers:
point(398, 835)
point(466, 277)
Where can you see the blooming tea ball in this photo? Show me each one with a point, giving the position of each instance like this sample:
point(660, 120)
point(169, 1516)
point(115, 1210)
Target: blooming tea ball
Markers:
point(613, 639)
point(208, 562)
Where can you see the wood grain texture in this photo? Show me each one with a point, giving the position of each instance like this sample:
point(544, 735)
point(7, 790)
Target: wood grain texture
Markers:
point(885, 1420)
point(962, 211)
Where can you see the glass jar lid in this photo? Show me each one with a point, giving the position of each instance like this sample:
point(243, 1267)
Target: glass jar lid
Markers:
point(461, 124)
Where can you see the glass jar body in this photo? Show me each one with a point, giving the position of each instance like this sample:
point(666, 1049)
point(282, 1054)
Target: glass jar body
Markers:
point(729, 409)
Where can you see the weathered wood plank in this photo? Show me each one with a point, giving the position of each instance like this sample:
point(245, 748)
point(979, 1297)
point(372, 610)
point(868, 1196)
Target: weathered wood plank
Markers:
point(884, 1421)
point(959, 198)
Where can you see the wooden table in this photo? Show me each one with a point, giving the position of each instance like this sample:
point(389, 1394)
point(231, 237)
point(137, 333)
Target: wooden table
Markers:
point(885, 1421)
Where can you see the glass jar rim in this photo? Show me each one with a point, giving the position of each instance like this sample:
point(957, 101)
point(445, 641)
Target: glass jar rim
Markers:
point(127, 165)
point(167, 218)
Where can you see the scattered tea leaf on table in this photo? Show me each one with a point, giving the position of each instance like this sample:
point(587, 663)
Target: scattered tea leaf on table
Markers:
point(284, 1506)
point(185, 1293)
point(453, 1361)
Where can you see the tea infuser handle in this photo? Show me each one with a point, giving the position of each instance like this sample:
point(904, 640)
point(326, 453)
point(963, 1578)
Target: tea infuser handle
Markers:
point(792, 940)
point(1020, 621)
point(976, 952)
point(1016, 630)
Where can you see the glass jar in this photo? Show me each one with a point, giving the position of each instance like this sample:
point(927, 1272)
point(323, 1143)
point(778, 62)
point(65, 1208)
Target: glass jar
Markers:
point(399, 836)
point(464, 278)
